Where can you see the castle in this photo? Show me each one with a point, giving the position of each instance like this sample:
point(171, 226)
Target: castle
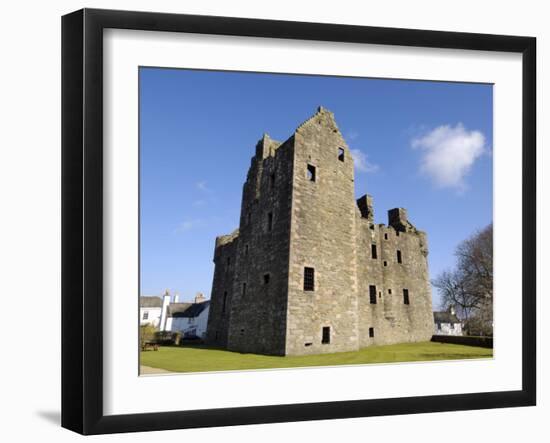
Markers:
point(308, 271)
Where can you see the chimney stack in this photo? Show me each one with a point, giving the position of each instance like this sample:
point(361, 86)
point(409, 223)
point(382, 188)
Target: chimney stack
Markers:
point(199, 297)
point(164, 311)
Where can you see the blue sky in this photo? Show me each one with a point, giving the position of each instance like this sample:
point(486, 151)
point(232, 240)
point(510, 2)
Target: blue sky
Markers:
point(425, 146)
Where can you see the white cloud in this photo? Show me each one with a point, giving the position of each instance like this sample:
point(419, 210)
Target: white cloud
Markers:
point(201, 186)
point(361, 161)
point(189, 224)
point(448, 154)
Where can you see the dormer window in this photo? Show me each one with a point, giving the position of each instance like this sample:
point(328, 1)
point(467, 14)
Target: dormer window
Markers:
point(341, 154)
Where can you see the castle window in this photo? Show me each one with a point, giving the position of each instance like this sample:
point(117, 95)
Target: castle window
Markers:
point(228, 261)
point(373, 251)
point(399, 257)
point(248, 217)
point(269, 221)
point(145, 315)
point(326, 335)
point(389, 291)
point(244, 289)
point(372, 294)
point(311, 173)
point(406, 300)
point(371, 332)
point(245, 249)
point(272, 181)
point(309, 279)
point(266, 279)
point(385, 263)
point(341, 154)
point(385, 236)
point(224, 302)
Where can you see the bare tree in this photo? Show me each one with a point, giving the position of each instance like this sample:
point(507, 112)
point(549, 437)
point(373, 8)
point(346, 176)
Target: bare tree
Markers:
point(469, 287)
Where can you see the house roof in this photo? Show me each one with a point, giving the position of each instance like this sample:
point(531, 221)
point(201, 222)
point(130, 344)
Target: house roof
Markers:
point(150, 302)
point(174, 309)
point(445, 317)
point(187, 310)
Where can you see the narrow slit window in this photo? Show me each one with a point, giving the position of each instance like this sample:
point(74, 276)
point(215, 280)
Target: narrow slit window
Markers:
point(341, 154)
point(389, 291)
point(228, 261)
point(267, 277)
point(385, 236)
point(372, 294)
point(326, 335)
point(406, 299)
point(399, 257)
point(245, 249)
point(269, 221)
point(272, 181)
point(224, 302)
point(248, 217)
point(311, 173)
point(244, 289)
point(374, 253)
point(385, 263)
point(309, 279)
point(371, 332)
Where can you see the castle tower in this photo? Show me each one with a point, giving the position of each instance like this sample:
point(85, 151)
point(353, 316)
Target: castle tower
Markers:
point(322, 295)
point(308, 271)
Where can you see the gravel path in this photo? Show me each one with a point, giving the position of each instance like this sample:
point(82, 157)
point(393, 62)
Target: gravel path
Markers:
point(147, 370)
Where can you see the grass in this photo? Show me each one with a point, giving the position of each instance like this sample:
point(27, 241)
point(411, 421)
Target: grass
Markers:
point(201, 358)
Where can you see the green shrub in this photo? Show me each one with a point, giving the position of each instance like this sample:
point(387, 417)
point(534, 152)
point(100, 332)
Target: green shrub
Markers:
point(167, 338)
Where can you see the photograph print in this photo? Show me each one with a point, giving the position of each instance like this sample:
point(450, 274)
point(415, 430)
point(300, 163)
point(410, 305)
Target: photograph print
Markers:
point(291, 221)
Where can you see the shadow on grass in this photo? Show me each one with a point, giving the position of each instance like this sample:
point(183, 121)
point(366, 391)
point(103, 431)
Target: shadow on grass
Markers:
point(205, 347)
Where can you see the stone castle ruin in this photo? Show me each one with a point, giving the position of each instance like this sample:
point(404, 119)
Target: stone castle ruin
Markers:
point(308, 271)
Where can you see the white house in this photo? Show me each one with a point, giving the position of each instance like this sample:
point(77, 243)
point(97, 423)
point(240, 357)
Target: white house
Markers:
point(190, 319)
point(447, 323)
point(167, 314)
point(150, 309)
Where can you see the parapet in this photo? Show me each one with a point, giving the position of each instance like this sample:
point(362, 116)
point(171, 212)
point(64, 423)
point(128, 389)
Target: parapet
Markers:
point(223, 240)
point(365, 205)
point(398, 220)
point(266, 147)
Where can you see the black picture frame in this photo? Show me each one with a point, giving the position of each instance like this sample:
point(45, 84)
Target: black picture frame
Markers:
point(82, 215)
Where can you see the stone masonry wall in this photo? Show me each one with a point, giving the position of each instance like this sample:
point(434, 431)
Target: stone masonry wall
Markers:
point(260, 280)
point(392, 320)
point(323, 238)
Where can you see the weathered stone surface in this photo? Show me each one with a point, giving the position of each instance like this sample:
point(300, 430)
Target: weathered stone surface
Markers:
point(298, 210)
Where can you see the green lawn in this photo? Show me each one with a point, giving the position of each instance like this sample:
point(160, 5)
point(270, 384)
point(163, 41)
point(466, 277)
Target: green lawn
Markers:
point(200, 358)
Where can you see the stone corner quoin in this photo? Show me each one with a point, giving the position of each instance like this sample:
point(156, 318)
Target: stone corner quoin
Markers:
point(308, 271)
